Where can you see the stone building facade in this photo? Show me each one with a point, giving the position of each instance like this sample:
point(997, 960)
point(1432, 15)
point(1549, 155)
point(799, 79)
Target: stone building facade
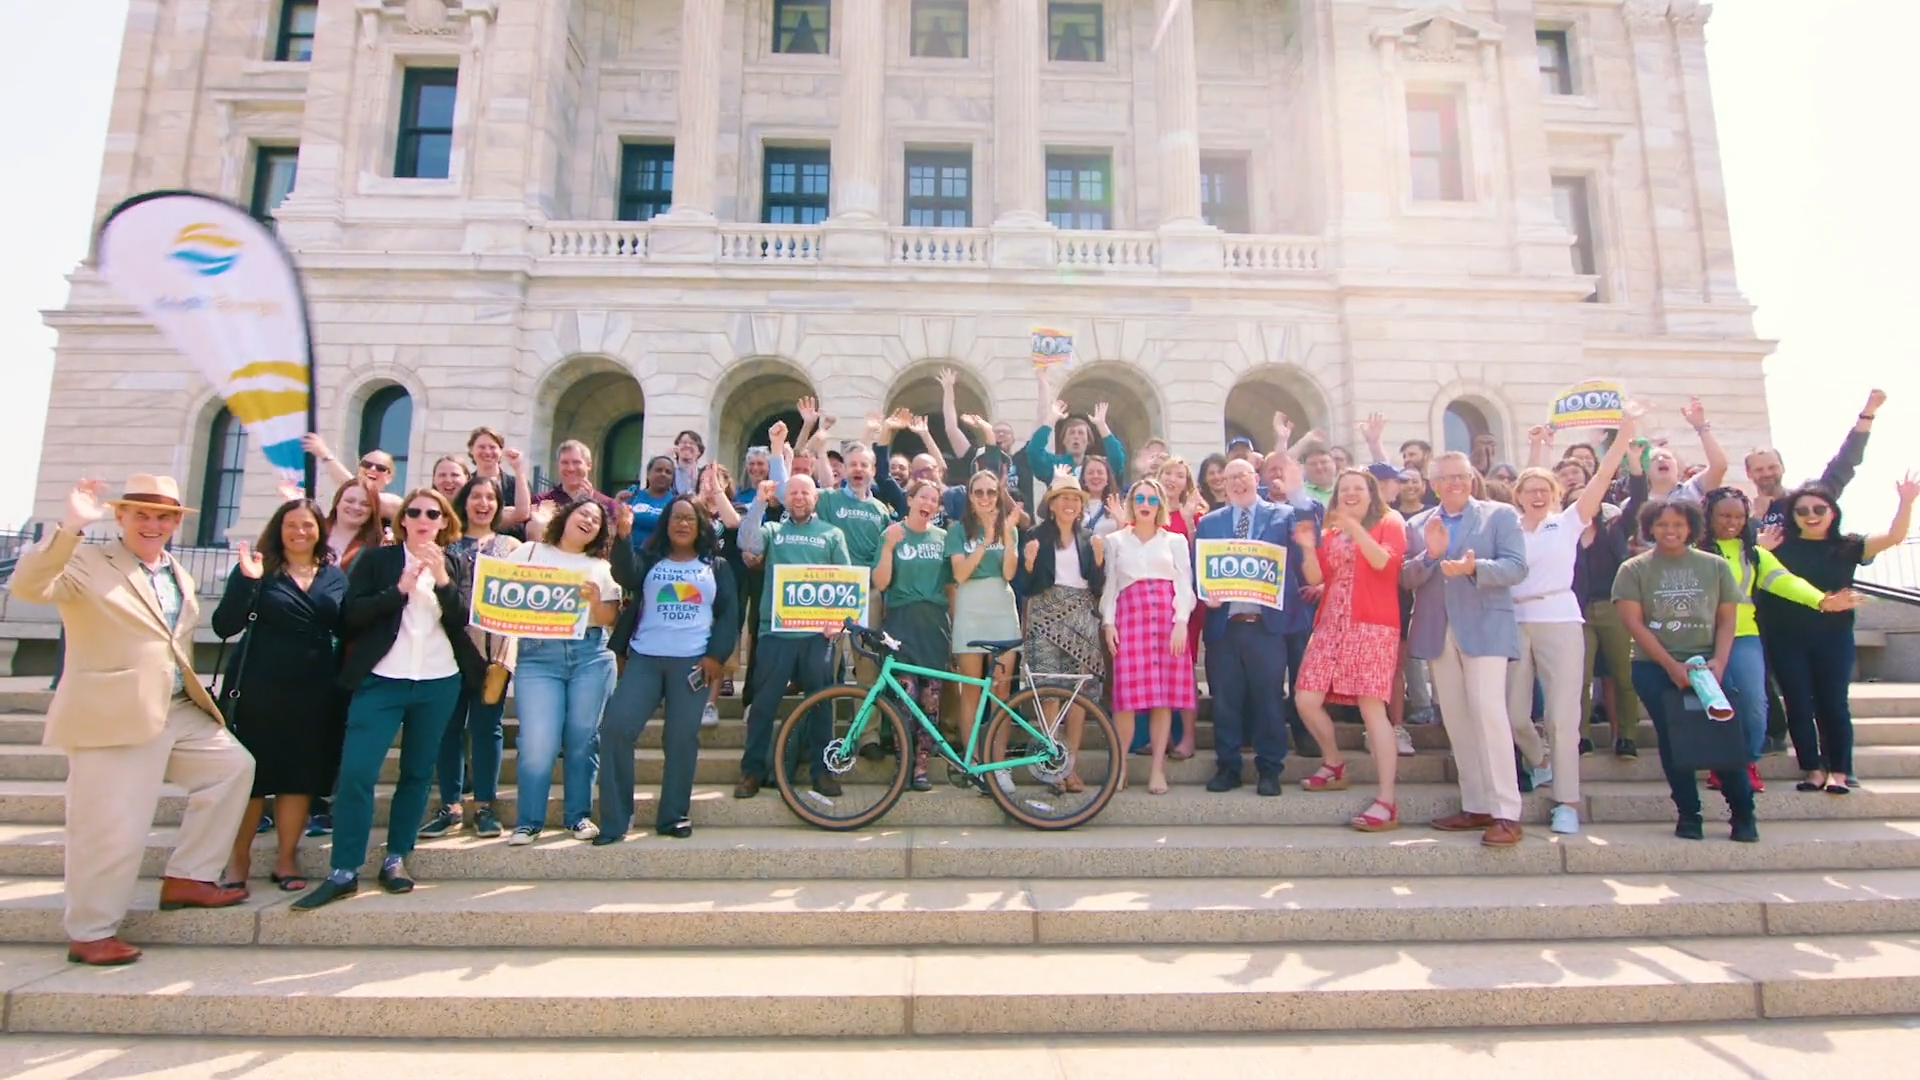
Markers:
point(1445, 212)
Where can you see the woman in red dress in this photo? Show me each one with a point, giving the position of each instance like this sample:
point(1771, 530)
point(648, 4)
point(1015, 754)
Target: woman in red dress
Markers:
point(1355, 646)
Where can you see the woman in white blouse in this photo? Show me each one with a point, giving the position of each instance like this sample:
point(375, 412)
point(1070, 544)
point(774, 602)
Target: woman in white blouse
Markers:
point(1144, 606)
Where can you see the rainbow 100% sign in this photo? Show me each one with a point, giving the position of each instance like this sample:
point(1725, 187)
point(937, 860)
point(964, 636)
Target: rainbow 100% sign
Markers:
point(518, 600)
point(1241, 571)
point(818, 597)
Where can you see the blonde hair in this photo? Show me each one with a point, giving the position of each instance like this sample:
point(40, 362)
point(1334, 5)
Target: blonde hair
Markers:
point(1556, 492)
point(1172, 461)
point(1160, 512)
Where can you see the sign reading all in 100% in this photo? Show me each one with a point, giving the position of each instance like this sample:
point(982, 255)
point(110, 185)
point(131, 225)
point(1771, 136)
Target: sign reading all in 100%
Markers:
point(518, 600)
point(1241, 571)
point(814, 598)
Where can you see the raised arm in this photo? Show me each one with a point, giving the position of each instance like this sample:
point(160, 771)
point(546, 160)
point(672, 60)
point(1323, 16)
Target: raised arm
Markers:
point(522, 507)
point(46, 573)
point(1853, 450)
point(1373, 430)
point(1696, 416)
point(336, 470)
point(1539, 442)
point(809, 410)
point(950, 412)
point(1909, 488)
point(1595, 492)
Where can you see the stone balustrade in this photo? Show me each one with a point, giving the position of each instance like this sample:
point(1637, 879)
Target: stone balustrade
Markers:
point(939, 247)
point(594, 240)
point(1107, 250)
point(1274, 254)
point(770, 243)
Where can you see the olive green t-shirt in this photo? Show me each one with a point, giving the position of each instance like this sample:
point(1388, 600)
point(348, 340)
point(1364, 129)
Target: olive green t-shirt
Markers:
point(862, 520)
point(1679, 597)
point(992, 564)
point(920, 568)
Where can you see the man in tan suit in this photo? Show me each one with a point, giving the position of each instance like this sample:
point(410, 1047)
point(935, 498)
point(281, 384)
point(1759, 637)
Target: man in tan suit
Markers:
point(131, 715)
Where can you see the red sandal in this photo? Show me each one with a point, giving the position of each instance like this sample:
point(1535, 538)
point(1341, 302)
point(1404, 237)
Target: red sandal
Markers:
point(1373, 822)
point(1327, 778)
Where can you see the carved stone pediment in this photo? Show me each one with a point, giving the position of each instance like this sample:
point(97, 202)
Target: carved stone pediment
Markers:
point(1437, 34)
point(429, 18)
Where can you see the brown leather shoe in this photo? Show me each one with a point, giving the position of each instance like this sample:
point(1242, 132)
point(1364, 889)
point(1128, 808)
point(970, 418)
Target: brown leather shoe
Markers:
point(106, 952)
point(747, 788)
point(177, 893)
point(1463, 822)
point(1502, 833)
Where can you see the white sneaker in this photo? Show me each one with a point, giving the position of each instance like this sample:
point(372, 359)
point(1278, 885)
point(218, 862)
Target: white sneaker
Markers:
point(1565, 820)
point(710, 716)
point(1403, 741)
point(522, 836)
point(585, 829)
point(1542, 776)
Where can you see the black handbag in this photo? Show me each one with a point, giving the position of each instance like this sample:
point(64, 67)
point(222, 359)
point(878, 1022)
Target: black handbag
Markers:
point(1696, 741)
point(225, 692)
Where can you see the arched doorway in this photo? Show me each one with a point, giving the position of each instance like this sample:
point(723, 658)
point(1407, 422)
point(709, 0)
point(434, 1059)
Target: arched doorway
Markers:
point(386, 423)
point(918, 391)
point(749, 398)
point(1267, 390)
point(1133, 410)
point(598, 402)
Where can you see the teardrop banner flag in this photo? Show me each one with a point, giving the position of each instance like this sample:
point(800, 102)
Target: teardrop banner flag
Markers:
point(222, 290)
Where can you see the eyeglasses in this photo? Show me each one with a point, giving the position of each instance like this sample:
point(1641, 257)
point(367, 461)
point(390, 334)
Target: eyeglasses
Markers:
point(988, 492)
point(429, 512)
point(1453, 478)
point(1144, 499)
point(1811, 510)
point(375, 466)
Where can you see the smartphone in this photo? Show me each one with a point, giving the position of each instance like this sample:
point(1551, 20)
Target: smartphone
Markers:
point(697, 678)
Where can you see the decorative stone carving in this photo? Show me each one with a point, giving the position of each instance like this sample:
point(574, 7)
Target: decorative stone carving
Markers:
point(1689, 15)
point(1645, 15)
point(428, 17)
point(1437, 34)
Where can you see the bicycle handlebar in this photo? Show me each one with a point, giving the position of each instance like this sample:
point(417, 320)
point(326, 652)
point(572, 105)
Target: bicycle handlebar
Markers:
point(862, 638)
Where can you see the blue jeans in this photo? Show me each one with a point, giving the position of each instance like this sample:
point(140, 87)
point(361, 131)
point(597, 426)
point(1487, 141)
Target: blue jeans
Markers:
point(382, 708)
point(472, 717)
point(561, 687)
point(1746, 687)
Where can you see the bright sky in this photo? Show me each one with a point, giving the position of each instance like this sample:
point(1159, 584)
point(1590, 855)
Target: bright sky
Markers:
point(1825, 232)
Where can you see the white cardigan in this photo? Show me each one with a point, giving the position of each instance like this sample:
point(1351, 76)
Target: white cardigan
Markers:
point(1130, 559)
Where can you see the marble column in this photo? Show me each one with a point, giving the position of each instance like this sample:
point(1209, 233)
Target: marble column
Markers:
point(1668, 185)
point(1689, 19)
point(1021, 232)
point(311, 216)
point(1177, 104)
point(688, 232)
point(857, 231)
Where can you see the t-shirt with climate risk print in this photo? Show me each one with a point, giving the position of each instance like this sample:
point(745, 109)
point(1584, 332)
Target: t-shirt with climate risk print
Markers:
point(991, 564)
point(920, 568)
point(787, 543)
point(676, 616)
point(861, 520)
point(1679, 597)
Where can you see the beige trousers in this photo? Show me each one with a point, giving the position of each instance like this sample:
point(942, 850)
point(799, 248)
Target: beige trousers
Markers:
point(1472, 694)
point(111, 795)
point(1556, 653)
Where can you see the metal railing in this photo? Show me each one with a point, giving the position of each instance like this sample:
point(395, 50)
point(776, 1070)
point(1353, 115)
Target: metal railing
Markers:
point(1897, 567)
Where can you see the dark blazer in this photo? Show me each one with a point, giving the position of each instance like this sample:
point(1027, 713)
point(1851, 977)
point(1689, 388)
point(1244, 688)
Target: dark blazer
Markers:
point(1273, 523)
point(630, 570)
point(370, 616)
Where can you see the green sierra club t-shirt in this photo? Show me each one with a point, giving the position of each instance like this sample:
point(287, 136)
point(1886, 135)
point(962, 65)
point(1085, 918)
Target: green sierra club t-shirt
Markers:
point(862, 520)
point(920, 568)
point(991, 564)
point(784, 543)
point(1679, 595)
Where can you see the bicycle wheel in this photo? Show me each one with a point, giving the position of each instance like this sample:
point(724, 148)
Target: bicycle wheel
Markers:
point(1040, 795)
point(868, 788)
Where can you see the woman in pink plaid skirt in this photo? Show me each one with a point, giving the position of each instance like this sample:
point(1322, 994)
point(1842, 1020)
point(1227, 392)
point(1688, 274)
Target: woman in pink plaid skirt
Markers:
point(1144, 606)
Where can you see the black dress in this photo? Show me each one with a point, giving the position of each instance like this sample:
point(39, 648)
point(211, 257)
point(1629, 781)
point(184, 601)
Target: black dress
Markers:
point(289, 714)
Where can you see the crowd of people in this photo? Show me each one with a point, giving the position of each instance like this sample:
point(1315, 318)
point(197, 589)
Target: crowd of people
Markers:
point(1592, 582)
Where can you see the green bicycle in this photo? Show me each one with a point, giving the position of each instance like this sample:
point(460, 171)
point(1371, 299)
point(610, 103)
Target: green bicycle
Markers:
point(1067, 765)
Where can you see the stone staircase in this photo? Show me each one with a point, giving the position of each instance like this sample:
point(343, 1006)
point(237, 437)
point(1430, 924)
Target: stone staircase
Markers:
point(1185, 913)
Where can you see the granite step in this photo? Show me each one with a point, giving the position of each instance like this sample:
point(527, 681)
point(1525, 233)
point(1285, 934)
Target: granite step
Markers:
point(1108, 851)
point(399, 993)
point(834, 914)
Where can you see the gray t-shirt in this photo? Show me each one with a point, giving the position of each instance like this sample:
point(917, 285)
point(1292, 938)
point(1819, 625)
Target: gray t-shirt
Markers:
point(1679, 596)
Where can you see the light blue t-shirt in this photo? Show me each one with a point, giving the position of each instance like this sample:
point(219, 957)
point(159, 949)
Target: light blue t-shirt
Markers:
point(676, 613)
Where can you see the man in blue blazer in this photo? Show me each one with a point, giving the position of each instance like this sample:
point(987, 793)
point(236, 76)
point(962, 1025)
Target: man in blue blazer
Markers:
point(1463, 559)
point(1246, 643)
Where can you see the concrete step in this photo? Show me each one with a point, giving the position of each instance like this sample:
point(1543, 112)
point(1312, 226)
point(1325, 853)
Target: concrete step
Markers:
point(1106, 851)
point(1062, 990)
point(1719, 1051)
point(478, 914)
point(40, 802)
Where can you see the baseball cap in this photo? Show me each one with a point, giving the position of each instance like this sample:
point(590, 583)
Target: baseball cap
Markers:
point(1239, 440)
point(1383, 471)
point(1409, 475)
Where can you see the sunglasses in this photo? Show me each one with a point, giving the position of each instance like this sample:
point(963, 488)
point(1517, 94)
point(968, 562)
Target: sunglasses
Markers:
point(375, 466)
point(1146, 500)
point(431, 513)
point(1811, 511)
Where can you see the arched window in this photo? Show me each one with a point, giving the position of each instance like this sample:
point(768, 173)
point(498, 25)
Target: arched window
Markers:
point(620, 452)
point(387, 424)
point(1464, 422)
point(226, 474)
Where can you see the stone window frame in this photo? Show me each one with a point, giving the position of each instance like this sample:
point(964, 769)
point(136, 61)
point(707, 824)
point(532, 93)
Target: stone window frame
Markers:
point(220, 477)
point(1105, 37)
point(1244, 160)
point(762, 176)
point(972, 199)
point(1495, 409)
point(386, 396)
point(247, 123)
point(412, 130)
point(1563, 179)
point(284, 33)
point(765, 21)
point(969, 27)
point(1569, 82)
point(1594, 157)
point(603, 180)
point(1111, 154)
point(374, 147)
point(257, 177)
point(1580, 57)
point(1462, 58)
point(625, 146)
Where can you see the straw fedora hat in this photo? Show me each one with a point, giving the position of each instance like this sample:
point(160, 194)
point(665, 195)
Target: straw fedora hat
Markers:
point(1064, 484)
point(147, 489)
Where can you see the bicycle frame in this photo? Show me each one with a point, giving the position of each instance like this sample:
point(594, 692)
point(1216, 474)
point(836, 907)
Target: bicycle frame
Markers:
point(886, 682)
